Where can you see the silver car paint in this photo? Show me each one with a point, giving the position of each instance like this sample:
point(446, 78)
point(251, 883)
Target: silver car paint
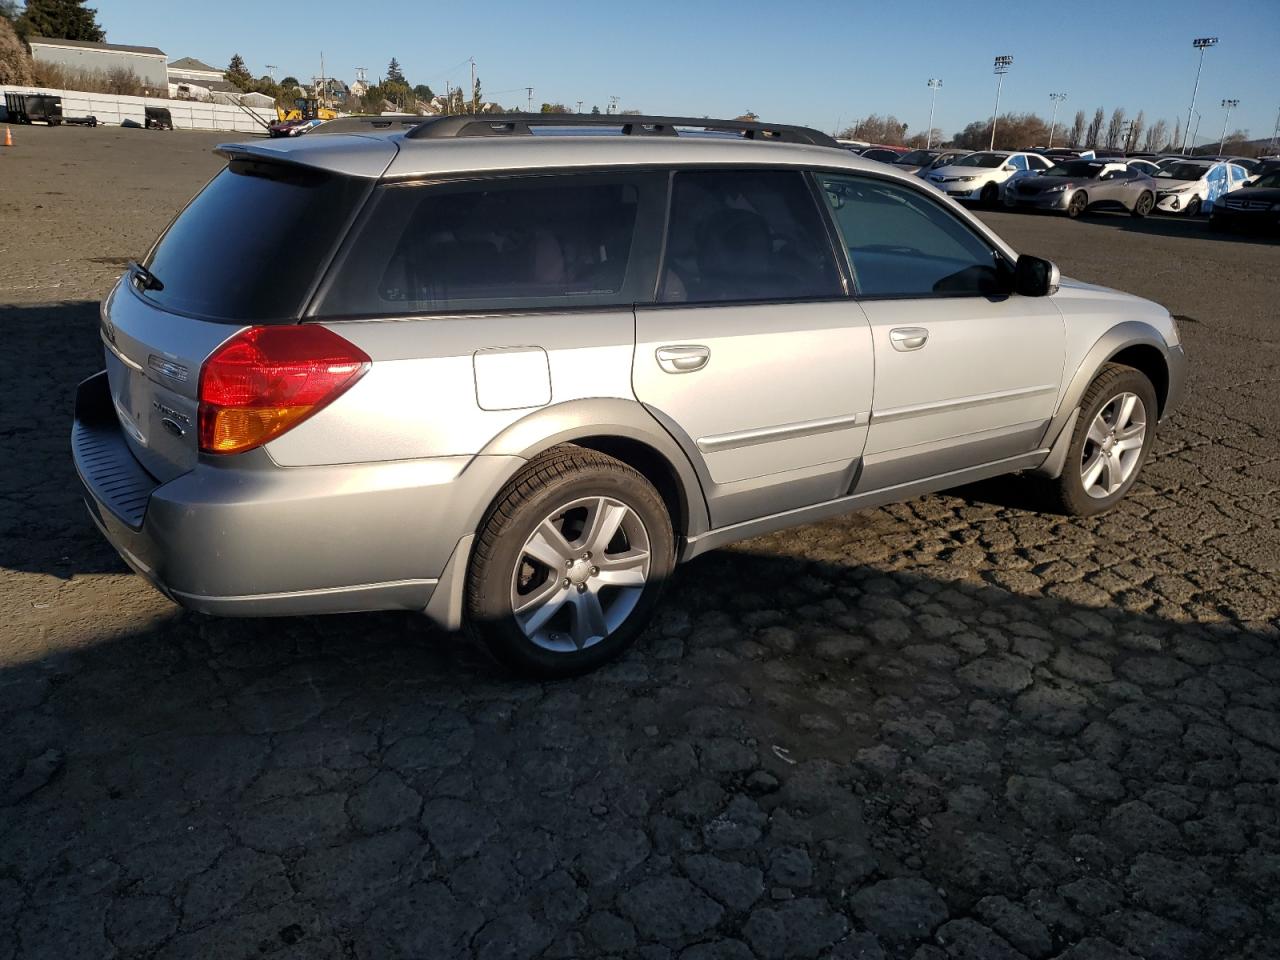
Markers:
point(802, 411)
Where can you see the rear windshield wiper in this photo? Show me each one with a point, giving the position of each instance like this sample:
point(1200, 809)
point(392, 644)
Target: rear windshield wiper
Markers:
point(145, 278)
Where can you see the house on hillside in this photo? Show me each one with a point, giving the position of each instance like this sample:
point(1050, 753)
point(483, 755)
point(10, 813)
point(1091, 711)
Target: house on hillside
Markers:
point(149, 64)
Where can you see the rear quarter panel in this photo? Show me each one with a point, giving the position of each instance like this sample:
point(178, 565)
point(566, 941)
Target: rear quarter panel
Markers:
point(446, 386)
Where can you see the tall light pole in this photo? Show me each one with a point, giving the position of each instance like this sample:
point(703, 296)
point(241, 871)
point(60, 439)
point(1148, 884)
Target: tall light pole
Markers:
point(1275, 132)
point(1195, 136)
point(1202, 44)
point(1057, 99)
point(934, 86)
point(1230, 105)
point(1002, 66)
point(529, 90)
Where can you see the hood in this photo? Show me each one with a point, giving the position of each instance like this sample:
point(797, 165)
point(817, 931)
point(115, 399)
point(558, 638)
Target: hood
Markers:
point(1167, 183)
point(1257, 194)
point(956, 171)
point(1041, 180)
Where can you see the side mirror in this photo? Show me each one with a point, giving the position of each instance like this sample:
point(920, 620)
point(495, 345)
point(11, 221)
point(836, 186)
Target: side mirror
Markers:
point(1035, 277)
point(1008, 168)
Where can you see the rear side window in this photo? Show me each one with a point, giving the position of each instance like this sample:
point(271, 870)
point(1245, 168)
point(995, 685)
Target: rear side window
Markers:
point(250, 246)
point(536, 242)
point(746, 235)
point(903, 244)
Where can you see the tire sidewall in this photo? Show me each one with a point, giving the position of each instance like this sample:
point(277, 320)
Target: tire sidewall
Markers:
point(1078, 499)
point(1078, 204)
point(490, 607)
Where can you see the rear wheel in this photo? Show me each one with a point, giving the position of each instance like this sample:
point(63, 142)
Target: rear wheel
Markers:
point(1145, 204)
point(1110, 442)
point(569, 564)
point(989, 195)
point(1078, 204)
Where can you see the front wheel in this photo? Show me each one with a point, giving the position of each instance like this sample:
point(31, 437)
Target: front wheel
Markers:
point(1193, 208)
point(569, 564)
point(1144, 205)
point(989, 195)
point(1110, 442)
point(1078, 204)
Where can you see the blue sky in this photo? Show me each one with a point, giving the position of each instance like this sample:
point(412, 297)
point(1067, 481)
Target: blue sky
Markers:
point(804, 62)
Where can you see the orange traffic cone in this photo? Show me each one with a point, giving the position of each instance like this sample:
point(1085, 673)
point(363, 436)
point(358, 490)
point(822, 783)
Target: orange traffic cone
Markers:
point(8, 137)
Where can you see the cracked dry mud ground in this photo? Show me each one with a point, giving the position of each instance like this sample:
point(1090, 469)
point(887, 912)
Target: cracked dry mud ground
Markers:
point(953, 728)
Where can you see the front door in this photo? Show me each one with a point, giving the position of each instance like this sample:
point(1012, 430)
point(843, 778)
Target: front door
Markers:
point(754, 357)
point(965, 374)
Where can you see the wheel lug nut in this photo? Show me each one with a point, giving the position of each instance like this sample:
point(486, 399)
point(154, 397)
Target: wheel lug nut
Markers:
point(594, 571)
point(582, 588)
point(564, 582)
point(586, 555)
point(568, 564)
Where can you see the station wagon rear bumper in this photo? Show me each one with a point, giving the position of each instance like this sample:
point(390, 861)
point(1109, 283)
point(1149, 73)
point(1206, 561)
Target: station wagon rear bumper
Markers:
point(241, 536)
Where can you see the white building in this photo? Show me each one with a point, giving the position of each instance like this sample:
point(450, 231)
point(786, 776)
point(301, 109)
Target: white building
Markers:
point(148, 63)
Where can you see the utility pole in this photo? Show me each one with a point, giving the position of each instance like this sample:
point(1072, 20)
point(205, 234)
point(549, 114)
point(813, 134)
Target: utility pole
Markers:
point(271, 71)
point(1275, 132)
point(1202, 44)
point(1057, 99)
point(1230, 105)
point(473, 84)
point(934, 87)
point(529, 91)
point(1002, 66)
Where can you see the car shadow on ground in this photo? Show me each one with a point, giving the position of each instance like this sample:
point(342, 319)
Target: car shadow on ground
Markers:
point(800, 750)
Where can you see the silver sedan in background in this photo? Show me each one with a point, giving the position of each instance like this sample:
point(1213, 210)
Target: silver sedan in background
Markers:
point(1074, 186)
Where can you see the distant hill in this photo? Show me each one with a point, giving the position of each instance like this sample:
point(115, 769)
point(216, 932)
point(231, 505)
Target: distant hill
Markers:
point(1244, 148)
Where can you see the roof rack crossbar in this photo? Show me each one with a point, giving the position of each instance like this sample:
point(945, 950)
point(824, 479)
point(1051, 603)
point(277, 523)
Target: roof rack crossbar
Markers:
point(633, 125)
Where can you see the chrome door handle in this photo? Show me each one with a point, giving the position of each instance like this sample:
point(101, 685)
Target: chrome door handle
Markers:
point(908, 338)
point(684, 358)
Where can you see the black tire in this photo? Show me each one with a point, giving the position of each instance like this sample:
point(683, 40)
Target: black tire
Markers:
point(560, 476)
point(1078, 205)
point(1066, 494)
point(1143, 206)
point(1193, 208)
point(990, 195)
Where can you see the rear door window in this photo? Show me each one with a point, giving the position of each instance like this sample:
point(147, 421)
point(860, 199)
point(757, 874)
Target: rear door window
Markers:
point(251, 246)
point(519, 243)
point(904, 244)
point(746, 235)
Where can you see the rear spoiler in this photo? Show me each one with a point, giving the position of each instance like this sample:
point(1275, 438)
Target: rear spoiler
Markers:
point(352, 156)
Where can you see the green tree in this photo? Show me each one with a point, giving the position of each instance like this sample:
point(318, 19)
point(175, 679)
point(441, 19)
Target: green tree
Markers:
point(15, 63)
point(423, 92)
point(60, 19)
point(476, 98)
point(238, 73)
point(554, 108)
point(394, 73)
point(289, 83)
point(595, 111)
point(9, 10)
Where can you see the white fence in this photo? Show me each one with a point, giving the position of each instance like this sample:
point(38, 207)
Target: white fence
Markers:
point(115, 109)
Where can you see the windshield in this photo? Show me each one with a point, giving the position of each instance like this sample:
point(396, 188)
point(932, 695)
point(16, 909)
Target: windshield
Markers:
point(983, 160)
point(1268, 180)
point(1084, 169)
point(916, 158)
point(1182, 171)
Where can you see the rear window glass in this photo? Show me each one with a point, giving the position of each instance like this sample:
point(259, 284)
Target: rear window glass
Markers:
point(520, 243)
point(250, 246)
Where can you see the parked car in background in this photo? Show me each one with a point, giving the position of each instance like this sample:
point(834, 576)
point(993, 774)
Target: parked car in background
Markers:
point(882, 154)
point(916, 160)
point(512, 387)
point(1074, 186)
point(979, 176)
point(1142, 165)
point(944, 158)
point(1256, 206)
point(1191, 187)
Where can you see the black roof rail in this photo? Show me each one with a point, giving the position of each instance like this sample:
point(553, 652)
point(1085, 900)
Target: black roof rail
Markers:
point(634, 125)
point(358, 124)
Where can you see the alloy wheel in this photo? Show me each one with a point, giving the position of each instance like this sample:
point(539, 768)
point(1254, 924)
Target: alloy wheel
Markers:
point(580, 574)
point(1113, 445)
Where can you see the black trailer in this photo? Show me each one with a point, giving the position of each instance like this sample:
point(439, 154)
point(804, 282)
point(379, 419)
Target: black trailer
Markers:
point(158, 118)
point(33, 108)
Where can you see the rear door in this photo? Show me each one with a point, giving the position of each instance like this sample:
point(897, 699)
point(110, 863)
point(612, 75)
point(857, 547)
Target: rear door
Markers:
point(966, 373)
point(754, 357)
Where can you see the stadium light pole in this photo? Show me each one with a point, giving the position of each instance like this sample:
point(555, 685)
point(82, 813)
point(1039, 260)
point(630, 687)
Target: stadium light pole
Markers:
point(1057, 99)
point(1202, 44)
point(1275, 132)
point(934, 87)
point(1002, 66)
point(1230, 105)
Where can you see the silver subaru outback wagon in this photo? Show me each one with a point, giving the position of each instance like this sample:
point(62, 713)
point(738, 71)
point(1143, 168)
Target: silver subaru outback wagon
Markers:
point(510, 377)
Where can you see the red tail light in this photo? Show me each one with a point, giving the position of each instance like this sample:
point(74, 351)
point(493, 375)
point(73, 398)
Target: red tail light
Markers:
point(266, 380)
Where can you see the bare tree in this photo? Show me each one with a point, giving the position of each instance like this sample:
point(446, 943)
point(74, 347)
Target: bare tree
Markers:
point(876, 129)
point(1136, 126)
point(1115, 128)
point(1176, 142)
point(1095, 128)
point(15, 62)
point(1077, 130)
point(1157, 133)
